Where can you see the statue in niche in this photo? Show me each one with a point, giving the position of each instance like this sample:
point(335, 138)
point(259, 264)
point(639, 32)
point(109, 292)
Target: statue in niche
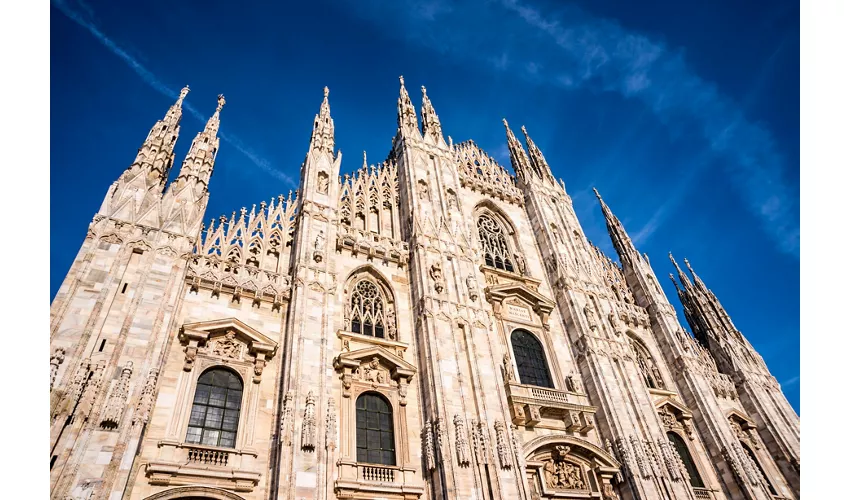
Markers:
point(437, 275)
point(391, 333)
point(471, 286)
point(589, 313)
point(227, 347)
point(571, 383)
point(423, 190)
point(508, 367)
point(452, 199)
point(318, 246)
point(323, 183)
point(561, 474)
point(520, 263)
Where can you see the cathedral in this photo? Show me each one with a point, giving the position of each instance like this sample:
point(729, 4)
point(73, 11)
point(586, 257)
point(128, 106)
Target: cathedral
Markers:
point(435, 326)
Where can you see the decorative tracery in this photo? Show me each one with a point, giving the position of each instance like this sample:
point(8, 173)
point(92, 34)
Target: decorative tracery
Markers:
point(649, 371)
point(491, 235)
point(369, 311)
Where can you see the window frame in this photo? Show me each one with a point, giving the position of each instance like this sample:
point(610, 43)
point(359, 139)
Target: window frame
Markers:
point(388, 315)
point(224, 408)
point(391, 422)
point(506, 231)
point(687, 448)
point(545, 357)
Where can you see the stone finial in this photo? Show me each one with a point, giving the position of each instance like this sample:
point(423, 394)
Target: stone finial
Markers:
point(221, 102)
point(183, 93)
point(401, 80)
point(327, 91)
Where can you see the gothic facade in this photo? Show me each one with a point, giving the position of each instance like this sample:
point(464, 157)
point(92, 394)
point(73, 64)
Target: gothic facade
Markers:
point(432, 327)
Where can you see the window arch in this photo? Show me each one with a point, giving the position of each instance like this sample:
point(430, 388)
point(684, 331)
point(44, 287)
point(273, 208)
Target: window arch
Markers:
point(491, 235)
point(368, 311)
point(758, 466)
point(375, 437)
point(682, 449)
point(215, 409)
point(530, 359)
point(649, 371)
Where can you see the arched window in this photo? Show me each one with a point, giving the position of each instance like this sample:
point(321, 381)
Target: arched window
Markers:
point(530, 360)
point(758, 465)
point(651, 375)
point(375, 440)
point(682, 449)
point(492, 237)
point(215, 410)
point(366, 313)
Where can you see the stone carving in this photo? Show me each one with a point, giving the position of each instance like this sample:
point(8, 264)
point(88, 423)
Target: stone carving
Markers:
point(191, 353)
point(520, 264)
point(371, 372)
point(75, 388)
point(561, 474)
point(571, 383)
point(56, 359)
point(143, 408)
point(669, 460)
point(502, 445)
point(439, 438)
point(472, 287)
point(451, 199)
point(323, 183)
point(640, 457)
point(461, 441)
point(667, 418)
point(92, 387)
point(118, 399)
point(436, 273)
point(590, 315)
point(228, 347)
point(319, 246)
point(286, 419)
point(308, 427)
point(508, 368)
point(608, 492)
point(390, 326)
point(423, 190)
point(626, 456)
point(428, 445)
point(610, 449)
point(330, 425)
point(481, 441)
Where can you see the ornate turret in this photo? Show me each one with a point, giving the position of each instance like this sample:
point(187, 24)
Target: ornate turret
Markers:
point(322, 138)
point(430, 121)
point(538, 162)
point(519, 160)
point(320, 170)
point(185, 201)
point(138, 191)
point(407, 123)
point(622, 243)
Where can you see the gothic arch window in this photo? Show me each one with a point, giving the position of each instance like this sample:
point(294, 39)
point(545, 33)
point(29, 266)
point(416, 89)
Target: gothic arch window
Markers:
point(375, 437)
point(215, 409)
point(530, 359)
point(370, 310)
point(682, 449)
point(491, 235)
point(758, 466)
point(649, 371)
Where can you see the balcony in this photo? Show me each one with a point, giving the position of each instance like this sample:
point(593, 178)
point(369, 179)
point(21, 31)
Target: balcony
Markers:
point(360, 480)
point(181, 464)
point(531, 405)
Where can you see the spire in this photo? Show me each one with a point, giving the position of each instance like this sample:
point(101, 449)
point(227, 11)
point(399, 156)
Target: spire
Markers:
point(538, 162)
point(622, 243)
point(365, 164)
point(157, 152)
point(430, 121)
point(323, 128)
point(682, 277)
point(518, 158)
point(200, 159)
point(406, 111)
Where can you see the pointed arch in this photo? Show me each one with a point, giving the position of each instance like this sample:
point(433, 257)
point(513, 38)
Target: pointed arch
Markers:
point(650, 373)
point(497, 237)
point(370, 304)
point(684, 452)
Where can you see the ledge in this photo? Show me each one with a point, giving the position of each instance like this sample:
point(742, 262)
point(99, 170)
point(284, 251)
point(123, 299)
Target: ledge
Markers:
point(530, 403)
point(181, 464)
point(366, 481)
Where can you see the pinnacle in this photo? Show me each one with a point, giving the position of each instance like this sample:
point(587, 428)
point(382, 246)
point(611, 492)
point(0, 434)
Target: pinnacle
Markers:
point(221, 102)
point(327, 91)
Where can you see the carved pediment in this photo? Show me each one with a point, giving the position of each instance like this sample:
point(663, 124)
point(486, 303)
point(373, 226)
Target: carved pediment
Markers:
point(515, 296)
point(394, 365)
point(229, 339)
point(674, 407)
point(741, 419)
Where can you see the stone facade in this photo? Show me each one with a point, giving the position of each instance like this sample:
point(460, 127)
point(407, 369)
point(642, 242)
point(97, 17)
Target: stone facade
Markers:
point(430, 327)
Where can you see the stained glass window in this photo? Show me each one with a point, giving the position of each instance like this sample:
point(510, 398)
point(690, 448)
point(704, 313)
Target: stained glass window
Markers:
point(366, 310)
point(215, 410)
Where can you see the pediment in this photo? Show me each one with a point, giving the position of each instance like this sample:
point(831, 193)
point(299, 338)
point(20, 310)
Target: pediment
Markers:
point(396, 366)
point(676, 407)
point(539, 302)
point(741, 419)
point(205, 331)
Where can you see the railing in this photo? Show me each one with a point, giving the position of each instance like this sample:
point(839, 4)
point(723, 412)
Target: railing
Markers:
point(549, 395)
point(377, 474)
point(208, 456)
point(702, 493)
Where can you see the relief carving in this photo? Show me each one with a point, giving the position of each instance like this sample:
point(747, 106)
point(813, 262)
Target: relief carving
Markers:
point(308, 429)
point(561, 474)
point(118, 399)
point(143, 408)
point(436, 273)
point(371, 372)
point(502, 445)
point(472, 287)
point(56, 359)
point(508, 368)
point(428, 444)
point(461, 442)
point(228, 347)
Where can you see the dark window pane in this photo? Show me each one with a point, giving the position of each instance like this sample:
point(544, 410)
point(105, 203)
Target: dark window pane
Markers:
point(210, 437)
point(193, 435)
point(682, 449)
point(210, 423)
point(228, 439)
point(488, 260)
point(530, 360)
point(355, 326)
point(202, 394)
point(374, 430)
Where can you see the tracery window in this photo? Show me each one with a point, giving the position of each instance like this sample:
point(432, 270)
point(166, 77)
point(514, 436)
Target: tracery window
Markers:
point(682, 449)
point(375, 438)
point(758, 465)
point(530, 359)
point(494, 244)
point(367, 310)
point(650, 373)
point(215, 410)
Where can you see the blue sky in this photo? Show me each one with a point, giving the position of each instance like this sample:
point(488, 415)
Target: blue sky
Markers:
point(684, 115)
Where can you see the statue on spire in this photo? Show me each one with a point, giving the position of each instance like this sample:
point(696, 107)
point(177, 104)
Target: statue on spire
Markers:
point(430, 120)
point(183, 93)
point(221, 102)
